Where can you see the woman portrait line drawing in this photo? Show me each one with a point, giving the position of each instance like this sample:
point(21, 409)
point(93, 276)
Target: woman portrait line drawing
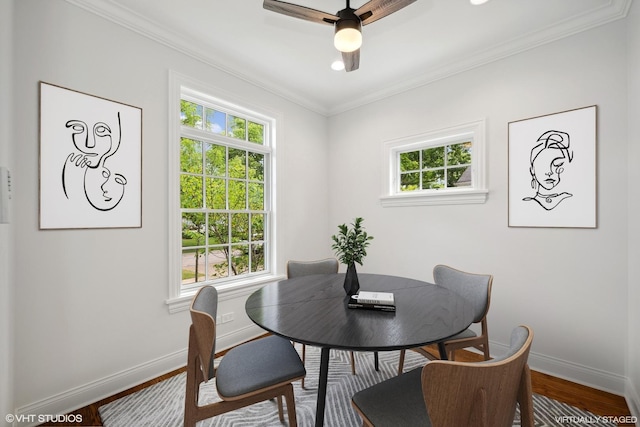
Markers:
point(547, 162)
point(95, 145)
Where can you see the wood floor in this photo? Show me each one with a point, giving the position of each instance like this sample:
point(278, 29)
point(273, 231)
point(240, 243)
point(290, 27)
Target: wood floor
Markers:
point(592, 400)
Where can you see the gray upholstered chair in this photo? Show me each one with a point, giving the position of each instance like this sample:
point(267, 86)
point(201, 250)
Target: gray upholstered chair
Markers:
point(477, 289)
point(446, 393)
point(249, 373)
point(306, 268)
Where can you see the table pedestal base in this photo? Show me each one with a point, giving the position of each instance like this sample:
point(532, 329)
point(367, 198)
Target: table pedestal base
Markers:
point(322, 385)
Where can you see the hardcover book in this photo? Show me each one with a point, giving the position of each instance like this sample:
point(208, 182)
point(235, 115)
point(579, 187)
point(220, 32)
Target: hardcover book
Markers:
point(380, 307)
point(383, 298)
point(382, 301)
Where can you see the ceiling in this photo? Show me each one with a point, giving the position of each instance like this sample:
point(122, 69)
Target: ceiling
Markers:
point(425, 41)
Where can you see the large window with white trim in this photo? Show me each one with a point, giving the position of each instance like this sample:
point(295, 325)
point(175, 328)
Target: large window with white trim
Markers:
point(225, 168)
point(446, 166)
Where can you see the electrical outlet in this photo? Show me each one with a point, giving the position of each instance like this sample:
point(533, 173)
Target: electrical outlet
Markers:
point(225, 318)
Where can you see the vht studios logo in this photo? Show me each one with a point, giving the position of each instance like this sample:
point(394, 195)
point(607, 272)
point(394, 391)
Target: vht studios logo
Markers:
point(43, 418)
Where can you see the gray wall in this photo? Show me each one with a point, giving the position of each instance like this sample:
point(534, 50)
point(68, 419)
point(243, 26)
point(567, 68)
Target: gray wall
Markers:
point(633, 367)
point(569, 285)
point(6, 284)
point(103, 329)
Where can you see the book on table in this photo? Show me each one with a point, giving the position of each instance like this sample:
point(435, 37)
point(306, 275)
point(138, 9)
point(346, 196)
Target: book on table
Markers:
point(373, 300)
point(367, 297)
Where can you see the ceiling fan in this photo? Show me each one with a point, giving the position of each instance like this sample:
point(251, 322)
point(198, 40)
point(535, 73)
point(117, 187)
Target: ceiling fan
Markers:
point(348, 22)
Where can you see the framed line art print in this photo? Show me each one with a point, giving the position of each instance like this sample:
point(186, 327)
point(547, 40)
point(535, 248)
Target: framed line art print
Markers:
point(552, 170)
point(90, 161)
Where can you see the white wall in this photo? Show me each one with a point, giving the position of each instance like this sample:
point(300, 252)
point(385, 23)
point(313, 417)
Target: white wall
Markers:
point(83, 329)
point(569, 285)
point(91, 314)
point(6, 284)
point(633, 366)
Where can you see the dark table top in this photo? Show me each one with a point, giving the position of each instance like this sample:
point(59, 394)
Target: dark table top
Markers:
point(313, 310)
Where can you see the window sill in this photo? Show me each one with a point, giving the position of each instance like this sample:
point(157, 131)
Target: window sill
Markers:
point(225, 292)
point(449, 197)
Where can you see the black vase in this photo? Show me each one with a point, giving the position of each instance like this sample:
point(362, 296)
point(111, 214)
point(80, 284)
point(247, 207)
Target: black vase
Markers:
point(351, 284)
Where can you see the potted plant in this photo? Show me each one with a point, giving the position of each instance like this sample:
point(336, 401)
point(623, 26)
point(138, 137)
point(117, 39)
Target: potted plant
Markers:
point(350, 246)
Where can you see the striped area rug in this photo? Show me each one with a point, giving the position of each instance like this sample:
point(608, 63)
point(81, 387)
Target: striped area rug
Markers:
point(162, 405)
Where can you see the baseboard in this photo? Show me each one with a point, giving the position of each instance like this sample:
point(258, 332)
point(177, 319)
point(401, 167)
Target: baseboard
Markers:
point(632, 397)
point(78, 397)
point(570, 371)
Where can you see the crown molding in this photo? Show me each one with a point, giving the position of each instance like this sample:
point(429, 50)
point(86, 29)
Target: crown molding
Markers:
point(137, 23)
point(611, 11)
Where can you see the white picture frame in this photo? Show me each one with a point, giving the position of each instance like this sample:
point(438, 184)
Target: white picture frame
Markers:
point(552, 170)
point(90, 161)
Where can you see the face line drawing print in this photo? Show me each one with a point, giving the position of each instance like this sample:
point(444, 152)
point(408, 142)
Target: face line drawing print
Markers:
point(547, 162)
point(102, 189)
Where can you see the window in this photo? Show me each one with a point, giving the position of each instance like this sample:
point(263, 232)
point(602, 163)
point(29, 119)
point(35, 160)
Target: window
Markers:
point(223, 207)
point(435, 168)
point(440, 167)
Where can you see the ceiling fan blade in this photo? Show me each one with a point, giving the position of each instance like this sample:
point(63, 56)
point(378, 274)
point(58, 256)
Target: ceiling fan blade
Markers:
point(351, 60)
point(376, 9)
point(299, 12)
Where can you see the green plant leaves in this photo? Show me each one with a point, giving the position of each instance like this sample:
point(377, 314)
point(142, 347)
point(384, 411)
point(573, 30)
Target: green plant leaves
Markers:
point(350, 244)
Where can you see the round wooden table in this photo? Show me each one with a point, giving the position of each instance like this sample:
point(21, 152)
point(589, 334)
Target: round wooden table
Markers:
point(313, 310)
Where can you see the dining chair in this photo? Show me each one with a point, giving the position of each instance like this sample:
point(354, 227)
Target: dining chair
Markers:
point(249, 373)
point(477, 289)
point(306, 268)
point(446, 393)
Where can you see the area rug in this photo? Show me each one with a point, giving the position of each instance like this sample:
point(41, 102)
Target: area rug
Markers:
point(162, 404)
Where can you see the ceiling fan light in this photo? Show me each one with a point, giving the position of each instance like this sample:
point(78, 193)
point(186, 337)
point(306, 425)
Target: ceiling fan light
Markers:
point(348, 37)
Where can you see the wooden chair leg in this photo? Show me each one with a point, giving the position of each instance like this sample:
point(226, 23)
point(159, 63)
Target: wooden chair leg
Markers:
point(353, 364)
point(291, 406)
point(525, 399)
point(280, 410)
point(485, 350)
point(401, 362)
point(190, 402)
point(194, 378)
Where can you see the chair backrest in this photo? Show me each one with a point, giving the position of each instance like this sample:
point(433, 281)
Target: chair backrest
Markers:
point(204, 308)
point(305, 268)
point(474, 287)
point(480, 394)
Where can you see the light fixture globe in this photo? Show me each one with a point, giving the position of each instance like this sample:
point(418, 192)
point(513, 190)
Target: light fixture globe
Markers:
point(348, 35)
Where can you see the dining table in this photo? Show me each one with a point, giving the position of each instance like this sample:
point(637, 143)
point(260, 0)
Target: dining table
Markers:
point(314, 310)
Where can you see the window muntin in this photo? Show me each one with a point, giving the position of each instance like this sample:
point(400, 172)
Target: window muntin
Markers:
point(224, 205)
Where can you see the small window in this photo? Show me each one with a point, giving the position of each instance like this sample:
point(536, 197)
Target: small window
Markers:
point(439, 167)
point(436, 168)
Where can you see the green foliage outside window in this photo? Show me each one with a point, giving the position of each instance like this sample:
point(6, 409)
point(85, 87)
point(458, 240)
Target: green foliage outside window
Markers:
point(225, 187)
point(435, 168)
